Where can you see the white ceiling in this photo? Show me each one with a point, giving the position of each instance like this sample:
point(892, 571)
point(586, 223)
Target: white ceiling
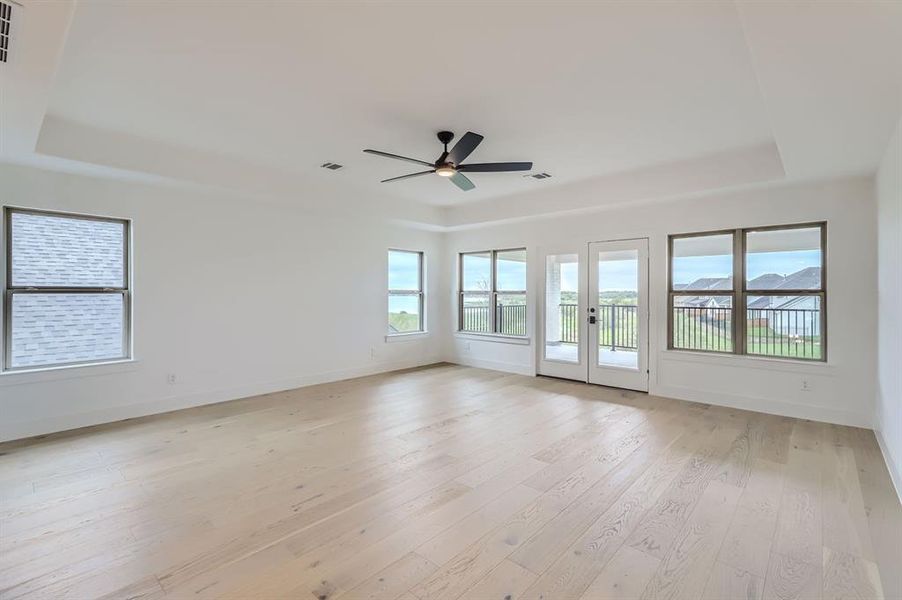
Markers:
point(257, 95)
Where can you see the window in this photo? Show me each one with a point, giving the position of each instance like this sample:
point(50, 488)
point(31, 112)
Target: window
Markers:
point(405, 292)
point(67, 294)
point(493, 292)
point(756, 291)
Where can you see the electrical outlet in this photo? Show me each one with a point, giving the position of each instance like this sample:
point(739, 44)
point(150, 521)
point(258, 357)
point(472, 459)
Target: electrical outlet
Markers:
point(467, 348)
point(806, 385)
point(372, 353)
point(171, 379)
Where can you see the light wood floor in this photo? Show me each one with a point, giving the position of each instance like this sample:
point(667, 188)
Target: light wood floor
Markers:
point(451, 482)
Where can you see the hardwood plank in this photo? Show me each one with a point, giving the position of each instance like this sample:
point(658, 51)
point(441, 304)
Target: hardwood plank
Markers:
point(395, 579)
point(325, 490)
point(749, 539)
point(850, 576)
point(624, 577)
point(685, 570)
point(507, 581)
point(656, 534)
point(730, 583)
point(791, 579)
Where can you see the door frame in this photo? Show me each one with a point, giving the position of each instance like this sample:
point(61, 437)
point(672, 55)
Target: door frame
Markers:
point(578, 371)
point(613, 375)
point(583, 370)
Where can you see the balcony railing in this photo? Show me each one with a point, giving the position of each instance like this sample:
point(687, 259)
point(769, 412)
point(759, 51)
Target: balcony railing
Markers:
point(617, 325)
point(510, 319)
point(792, 332)
point(787, 332)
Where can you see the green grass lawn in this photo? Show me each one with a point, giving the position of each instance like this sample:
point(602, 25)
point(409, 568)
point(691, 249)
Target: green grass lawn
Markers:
point(694, 335)
point(403, 322)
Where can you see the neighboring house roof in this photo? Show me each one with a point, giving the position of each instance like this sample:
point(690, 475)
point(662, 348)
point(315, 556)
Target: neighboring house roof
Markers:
point(711, 283)
point(768, 281)
point(806, 279)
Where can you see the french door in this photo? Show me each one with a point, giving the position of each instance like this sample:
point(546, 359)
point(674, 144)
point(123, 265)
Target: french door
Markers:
point(595, 314)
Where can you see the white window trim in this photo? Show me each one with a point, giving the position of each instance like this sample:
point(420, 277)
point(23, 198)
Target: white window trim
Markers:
point(8, 290)
point(421, 293)
point(492, 295)
point(739, 293)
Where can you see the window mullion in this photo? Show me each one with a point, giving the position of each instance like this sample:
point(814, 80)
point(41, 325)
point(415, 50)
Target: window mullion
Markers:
point(739, 329)
point(493, 295)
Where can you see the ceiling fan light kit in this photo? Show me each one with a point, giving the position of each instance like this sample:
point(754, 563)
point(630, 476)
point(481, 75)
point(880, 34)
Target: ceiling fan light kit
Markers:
point(450, 162)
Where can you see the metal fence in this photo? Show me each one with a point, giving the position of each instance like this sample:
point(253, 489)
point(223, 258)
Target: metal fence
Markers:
point(787, 332)
point(770, 331)
point(510, 319)
point(569, 324)
point(703, 328)
point(617, 325)
point(784, 332)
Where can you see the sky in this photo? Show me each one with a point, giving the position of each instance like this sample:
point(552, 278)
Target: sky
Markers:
point(403, 270)
point(478, 272)
point(689, 268)
point(615, 275)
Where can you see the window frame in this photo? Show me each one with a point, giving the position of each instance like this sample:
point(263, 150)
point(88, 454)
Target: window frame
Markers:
point(492, 293)
point(420, 293)
point(740, 292)
point(10, 290)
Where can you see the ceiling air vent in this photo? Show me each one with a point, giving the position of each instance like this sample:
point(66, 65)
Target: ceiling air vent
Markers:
point(331, 166)
point(539, 175)
point(6, 21)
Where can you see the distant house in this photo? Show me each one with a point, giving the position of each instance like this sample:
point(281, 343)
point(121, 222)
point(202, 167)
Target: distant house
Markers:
point(785, 315)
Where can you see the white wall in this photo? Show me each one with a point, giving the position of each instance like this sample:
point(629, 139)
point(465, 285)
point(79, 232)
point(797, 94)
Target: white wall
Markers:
point(889, 243)
point(841, 391)
point(234, 297)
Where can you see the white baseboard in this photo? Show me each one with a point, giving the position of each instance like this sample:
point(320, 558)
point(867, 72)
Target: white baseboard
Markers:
point(493, 365)
point(14, 431)
point(764, 405)
point(894, 468)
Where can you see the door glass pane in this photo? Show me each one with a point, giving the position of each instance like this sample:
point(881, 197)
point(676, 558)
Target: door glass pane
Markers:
point(788, 259)
point(54, 329)
point(404, 270)
point(703, 323)
point(511, 270)
point(618, 310)
point(404, 313)
point(703, 262)
point(562, 307)
point(510, 314)
point(788, 326)
point(476, 272)
point(475, 312)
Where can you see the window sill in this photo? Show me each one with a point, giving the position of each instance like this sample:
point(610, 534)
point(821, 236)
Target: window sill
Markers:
point(406, 337)
point(751, 362)
point(493, 337)
point(43, 374)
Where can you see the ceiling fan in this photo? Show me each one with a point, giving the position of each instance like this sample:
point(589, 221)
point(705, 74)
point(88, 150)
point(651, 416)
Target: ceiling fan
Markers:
point(449, 164)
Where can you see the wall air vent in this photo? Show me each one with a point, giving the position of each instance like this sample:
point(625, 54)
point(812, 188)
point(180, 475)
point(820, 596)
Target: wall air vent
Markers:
point(331, 166)
point(6, 22)
point(539, 175)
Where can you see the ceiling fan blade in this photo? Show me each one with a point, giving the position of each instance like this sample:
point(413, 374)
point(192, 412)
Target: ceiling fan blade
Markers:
point(461, 181)
point(464, 147)
point(406, 176)
point(398, 157)
point(495, 167)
